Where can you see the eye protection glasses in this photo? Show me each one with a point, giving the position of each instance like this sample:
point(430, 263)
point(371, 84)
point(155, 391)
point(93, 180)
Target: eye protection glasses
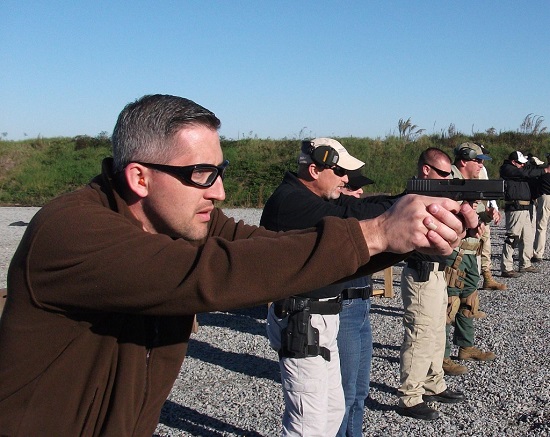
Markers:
point(441, 173)
point(339, 171)
point(199, 175)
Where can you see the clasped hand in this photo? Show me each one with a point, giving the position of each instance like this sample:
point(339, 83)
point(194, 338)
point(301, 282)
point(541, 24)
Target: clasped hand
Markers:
point(430, 225)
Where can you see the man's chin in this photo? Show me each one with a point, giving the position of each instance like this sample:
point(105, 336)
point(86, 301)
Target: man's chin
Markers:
point(195, 234)
point(199, 233)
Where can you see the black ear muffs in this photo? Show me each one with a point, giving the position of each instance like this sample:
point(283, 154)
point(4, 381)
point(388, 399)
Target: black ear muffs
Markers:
point(321, 155)
point(466, 153)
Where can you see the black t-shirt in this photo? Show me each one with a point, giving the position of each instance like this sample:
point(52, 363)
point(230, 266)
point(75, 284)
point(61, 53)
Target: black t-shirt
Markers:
point(293, 206)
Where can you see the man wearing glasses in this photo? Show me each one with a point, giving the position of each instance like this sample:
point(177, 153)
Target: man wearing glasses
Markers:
point(311, 377)
point(462, 272)
point(104, 286)
point(424, 293)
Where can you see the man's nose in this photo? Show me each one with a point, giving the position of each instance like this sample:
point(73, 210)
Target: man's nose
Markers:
point(217, 190)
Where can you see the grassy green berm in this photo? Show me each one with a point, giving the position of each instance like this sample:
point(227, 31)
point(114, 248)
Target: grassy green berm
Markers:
point(36, 170)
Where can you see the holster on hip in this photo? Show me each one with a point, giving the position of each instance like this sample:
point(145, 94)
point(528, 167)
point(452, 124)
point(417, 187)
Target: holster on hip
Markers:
point(300, 339)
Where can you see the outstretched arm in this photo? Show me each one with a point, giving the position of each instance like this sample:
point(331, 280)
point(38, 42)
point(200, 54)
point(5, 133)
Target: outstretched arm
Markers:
point(427, 224)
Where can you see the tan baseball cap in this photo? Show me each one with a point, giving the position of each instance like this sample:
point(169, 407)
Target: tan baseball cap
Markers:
point(345, 160)
point(478, 152)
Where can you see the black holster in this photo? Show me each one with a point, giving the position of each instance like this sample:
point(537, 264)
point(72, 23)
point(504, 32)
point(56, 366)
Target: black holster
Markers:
point(300, 339)
point(424, 271)
point(424, 268)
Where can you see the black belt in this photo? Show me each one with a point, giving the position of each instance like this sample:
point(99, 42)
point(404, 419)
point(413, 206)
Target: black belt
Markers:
point(357, 292)
point(518, 202)
point(421, 265)
point(284, 307)
point(515, 205)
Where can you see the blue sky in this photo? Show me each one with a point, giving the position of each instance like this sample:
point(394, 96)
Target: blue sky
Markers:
point(276, 69)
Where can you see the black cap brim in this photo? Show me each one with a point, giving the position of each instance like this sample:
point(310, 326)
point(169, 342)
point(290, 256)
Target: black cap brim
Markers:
point(357, 181)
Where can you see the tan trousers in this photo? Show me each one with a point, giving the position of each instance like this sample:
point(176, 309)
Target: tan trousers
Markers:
point(486, 263)
point(543, 214)
point(423, 347)
point(519, 233)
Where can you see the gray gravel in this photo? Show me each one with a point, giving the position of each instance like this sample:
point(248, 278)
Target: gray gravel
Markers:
point(13, 223)
point(229, 384)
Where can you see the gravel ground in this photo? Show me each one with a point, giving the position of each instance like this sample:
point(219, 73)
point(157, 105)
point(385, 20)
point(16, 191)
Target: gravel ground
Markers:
point(229, 384)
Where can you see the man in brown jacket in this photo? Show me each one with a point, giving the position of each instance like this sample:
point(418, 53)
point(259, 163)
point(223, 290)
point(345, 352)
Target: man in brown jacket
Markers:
point(106, 281)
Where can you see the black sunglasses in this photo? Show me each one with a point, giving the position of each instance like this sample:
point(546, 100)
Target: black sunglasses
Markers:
point(339, 171)
point(199, 175)
point(478, 160)
point(443, 174)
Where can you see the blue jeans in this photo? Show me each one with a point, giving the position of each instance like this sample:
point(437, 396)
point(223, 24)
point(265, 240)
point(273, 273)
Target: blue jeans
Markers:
point(355, 349)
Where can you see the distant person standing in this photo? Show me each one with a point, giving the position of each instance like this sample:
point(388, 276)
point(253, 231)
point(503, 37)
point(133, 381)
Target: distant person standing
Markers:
point(541, 193)
point(518, 202)
point(463, 273)
point(489, 282)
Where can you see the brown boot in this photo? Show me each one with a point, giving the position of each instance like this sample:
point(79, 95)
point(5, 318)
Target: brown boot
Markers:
point(473, 353)
point(452, 368)
point(489, 283)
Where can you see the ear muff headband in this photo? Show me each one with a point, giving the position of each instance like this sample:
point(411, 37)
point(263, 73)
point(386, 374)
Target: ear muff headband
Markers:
point(467, 153)
point(322, 155)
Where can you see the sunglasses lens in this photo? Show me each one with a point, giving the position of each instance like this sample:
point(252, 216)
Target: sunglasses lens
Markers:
point(441, 173)
point(339, 171)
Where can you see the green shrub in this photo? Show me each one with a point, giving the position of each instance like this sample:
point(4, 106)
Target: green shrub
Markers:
point(44, 172)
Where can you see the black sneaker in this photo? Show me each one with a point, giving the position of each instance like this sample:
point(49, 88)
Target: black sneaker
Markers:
point(536, 260)
point(419, 411)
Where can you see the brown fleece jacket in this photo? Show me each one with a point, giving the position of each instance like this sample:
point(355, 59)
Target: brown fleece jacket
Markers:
point(99, 312)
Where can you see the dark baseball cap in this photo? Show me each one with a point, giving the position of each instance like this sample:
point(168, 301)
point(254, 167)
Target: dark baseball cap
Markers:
point(356, 179)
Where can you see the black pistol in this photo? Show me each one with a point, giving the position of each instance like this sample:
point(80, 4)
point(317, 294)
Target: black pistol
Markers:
point(458, 189)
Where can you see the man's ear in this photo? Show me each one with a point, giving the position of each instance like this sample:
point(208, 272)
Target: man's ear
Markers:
point(136, 177)
point(314, 171)
point(425, 170)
